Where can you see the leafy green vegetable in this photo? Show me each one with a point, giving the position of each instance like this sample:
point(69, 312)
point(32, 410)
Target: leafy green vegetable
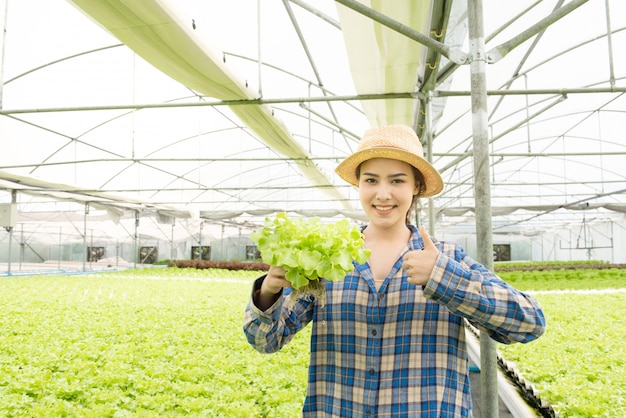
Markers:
point(309, 249)
point(168, 342)
point(578, 365)
point(149, 342)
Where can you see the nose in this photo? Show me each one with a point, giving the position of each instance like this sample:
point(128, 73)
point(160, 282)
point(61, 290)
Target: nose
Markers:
point(383, 192)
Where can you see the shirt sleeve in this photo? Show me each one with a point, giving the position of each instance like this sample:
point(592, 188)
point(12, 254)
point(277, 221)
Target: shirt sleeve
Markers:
point(268, 331)
point(468, 289)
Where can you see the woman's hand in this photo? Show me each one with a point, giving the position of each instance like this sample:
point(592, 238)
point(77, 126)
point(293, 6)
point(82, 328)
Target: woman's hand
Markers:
point(272, 284)
point(418, 264)
point(275, 281)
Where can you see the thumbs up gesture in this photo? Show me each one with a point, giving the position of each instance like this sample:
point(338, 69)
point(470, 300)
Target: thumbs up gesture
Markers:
point(418, 264)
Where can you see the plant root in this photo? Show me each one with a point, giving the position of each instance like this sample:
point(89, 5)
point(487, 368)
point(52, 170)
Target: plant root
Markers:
point(314, 289)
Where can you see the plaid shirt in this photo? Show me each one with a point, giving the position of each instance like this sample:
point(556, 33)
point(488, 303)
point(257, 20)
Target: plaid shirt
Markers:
point(399, 351)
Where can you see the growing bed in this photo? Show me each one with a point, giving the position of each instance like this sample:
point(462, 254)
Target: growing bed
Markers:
point(169, 342)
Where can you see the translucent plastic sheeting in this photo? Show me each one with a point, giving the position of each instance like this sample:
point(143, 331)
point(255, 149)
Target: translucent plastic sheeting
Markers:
point(143, 110)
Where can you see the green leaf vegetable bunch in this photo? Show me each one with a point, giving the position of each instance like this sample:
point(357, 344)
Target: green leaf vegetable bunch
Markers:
point(309, 249)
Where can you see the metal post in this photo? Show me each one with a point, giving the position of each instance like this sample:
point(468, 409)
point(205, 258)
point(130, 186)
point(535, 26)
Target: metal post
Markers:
point(428, 133)
point(22, 245)
point(259, 49)
point(482, 194)
point(136, 238)
point(222, 245)
point(91, 249)
point(200, 241)
point(172, 250)
point(2, 46)
point(85, 253)
point(60, 247)
point(10, 231)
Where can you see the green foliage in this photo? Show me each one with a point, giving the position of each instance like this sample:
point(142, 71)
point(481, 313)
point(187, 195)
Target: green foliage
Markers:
point(579, 279)
point(308, 249)
point(578, 365)
point(169, 342)
point(140, 343)
point(569, 263)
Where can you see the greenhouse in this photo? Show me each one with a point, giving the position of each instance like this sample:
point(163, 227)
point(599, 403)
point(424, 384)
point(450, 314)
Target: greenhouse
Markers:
point(138, 133)
point(171, 128)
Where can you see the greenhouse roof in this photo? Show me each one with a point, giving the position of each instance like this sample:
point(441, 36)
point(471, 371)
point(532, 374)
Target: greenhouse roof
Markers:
point(189, 110)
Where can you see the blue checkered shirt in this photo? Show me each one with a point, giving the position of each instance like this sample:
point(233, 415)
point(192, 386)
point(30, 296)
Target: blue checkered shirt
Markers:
point(399, 351)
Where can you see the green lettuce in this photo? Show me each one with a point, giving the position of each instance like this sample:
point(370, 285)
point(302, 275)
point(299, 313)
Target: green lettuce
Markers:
point(309, 249)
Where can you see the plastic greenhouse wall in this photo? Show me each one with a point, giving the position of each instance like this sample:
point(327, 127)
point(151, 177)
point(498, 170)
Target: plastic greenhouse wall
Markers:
point(598, 240)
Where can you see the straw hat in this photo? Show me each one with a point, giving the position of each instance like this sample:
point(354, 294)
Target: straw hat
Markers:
point(397, 142)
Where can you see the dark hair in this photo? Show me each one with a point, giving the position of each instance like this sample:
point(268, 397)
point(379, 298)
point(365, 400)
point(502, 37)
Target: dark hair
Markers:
point(420, 183)
point(421, 186)
point(419, 180)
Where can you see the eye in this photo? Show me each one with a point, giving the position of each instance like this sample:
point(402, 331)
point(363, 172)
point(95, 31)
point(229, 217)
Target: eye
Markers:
point(370, 180)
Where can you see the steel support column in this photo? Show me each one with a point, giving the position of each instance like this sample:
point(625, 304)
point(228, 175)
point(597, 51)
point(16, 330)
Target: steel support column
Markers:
point(482, 193)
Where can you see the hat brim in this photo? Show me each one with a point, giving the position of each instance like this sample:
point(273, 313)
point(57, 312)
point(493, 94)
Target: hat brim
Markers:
point(347, 168)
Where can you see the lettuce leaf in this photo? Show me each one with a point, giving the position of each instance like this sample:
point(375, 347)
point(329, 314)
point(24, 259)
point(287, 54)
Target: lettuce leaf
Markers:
point(309, 249)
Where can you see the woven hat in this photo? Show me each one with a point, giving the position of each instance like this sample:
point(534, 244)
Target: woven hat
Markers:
point(397, 142)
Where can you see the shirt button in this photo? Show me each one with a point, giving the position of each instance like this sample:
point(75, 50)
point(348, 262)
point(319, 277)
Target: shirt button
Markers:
point(372, 371)
point(374, 332)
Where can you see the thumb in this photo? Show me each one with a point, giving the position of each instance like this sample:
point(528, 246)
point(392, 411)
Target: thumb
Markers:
point(428, 242)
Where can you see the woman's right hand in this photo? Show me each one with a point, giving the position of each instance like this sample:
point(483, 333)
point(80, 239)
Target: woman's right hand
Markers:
point(275, 281)
point(272, 284)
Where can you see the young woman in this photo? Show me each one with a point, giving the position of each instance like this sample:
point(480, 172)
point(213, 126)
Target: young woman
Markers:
point(389, 339)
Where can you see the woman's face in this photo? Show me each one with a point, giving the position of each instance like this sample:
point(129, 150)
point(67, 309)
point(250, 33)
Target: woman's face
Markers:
point(386, 189)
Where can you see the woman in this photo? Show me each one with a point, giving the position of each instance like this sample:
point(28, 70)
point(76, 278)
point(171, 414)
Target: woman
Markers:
point(389, 340)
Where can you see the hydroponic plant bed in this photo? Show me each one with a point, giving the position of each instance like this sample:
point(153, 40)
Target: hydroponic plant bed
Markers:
point(139, 343)
point(169, 342)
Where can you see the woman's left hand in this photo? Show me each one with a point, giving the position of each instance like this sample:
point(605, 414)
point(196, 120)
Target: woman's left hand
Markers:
point(418, 264)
